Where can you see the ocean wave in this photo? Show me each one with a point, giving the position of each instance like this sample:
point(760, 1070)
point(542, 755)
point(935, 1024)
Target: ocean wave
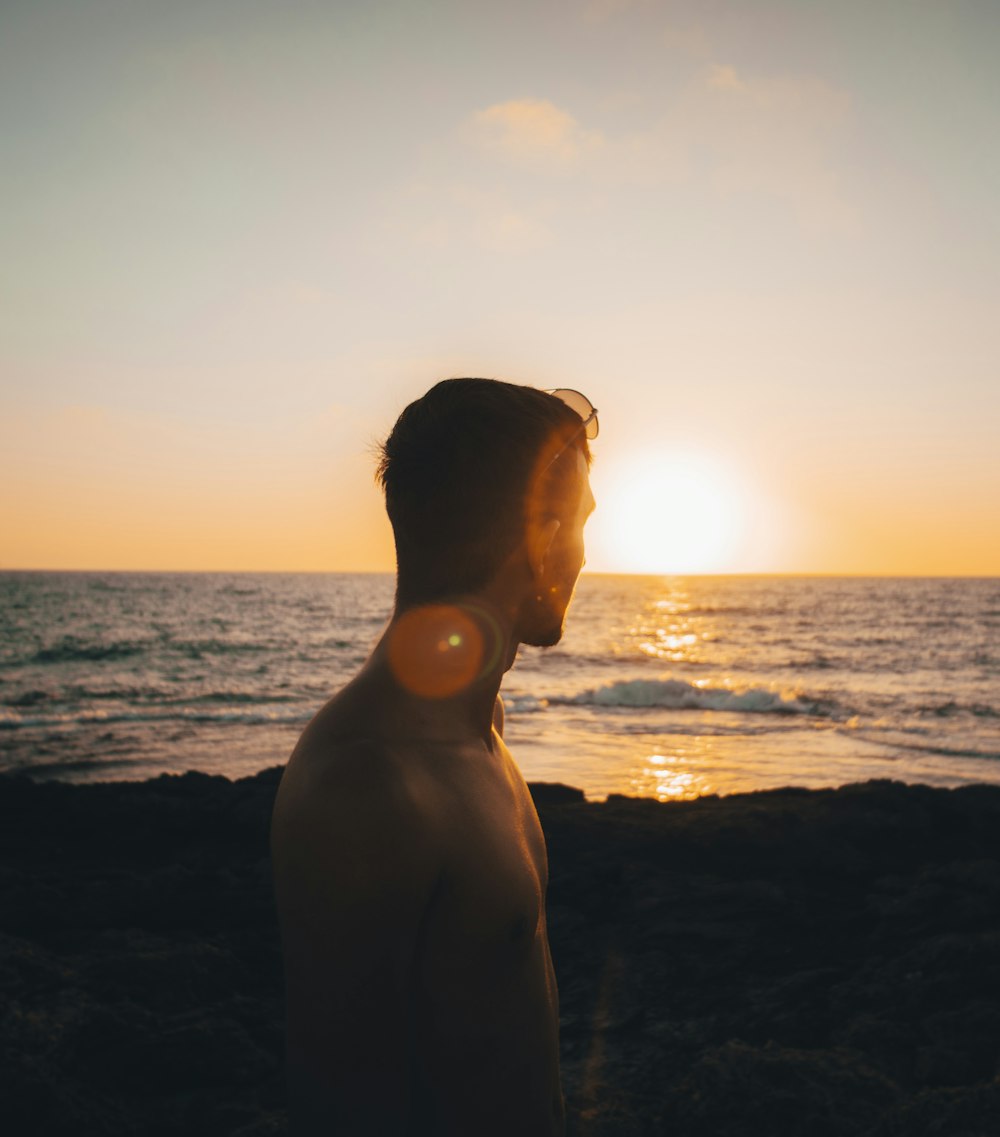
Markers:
point(106, 586)
point(197, 649)
point(818, 662)
point(141, 696)
point(952, 708)
point(729, 610)
point(73, 766)
point(524, 704)
point(676, 694)
point(12, 720)
point(237, 697)
point(70, 649)
point(32, 698)
point(903, 739)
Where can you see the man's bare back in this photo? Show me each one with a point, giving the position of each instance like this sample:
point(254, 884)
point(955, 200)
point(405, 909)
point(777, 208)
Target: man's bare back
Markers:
point(409, 864)
point(411, 877)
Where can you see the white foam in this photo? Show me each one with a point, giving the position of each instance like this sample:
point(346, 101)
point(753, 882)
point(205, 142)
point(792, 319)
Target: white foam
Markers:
point(523, 704)
point(676, 694)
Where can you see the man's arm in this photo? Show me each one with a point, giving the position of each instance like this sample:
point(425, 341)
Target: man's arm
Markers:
point(354, 870)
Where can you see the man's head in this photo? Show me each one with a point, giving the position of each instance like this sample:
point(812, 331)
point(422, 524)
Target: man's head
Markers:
point(475, 472)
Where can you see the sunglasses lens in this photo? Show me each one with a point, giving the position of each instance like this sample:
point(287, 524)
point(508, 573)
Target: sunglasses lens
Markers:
point(583, 407)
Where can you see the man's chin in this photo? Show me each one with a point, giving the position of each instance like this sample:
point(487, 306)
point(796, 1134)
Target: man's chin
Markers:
point(544, 637)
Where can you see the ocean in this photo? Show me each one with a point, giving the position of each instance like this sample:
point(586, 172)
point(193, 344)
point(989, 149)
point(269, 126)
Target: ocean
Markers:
point(664, 687)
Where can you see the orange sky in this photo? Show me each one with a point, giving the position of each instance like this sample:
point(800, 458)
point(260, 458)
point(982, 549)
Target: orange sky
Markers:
point(239, 240)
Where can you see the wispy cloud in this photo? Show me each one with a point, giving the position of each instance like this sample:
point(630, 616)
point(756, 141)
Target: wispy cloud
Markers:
point(737, 134)
point(772, 135)
point(722, 78)
point(533, 132)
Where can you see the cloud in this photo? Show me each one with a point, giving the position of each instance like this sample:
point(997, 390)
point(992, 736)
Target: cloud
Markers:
point(721, 78)
point(808, 101)
point(735, 134)
point(726, 133)
point(533, 132)
point(776, 136)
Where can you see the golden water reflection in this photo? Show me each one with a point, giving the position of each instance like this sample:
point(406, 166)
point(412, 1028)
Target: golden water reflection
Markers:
point(668, 645)
point(670, 627)
point(680, 627)
point(671, 777)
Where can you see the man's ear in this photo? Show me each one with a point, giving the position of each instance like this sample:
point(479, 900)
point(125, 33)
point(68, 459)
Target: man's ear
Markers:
point(539, 542)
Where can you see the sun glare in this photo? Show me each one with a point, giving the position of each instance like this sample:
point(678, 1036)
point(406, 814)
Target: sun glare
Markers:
point(671, 513)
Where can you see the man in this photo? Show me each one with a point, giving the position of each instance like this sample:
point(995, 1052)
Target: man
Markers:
point(410, 867)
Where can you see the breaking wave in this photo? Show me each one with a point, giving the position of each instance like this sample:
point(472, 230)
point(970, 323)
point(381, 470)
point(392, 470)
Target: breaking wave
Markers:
point(674, 694)
point(72, 650)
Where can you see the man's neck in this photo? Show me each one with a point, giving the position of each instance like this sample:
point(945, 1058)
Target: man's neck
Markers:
point(448, 657)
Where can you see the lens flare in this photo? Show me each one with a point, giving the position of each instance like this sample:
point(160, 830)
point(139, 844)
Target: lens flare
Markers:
point(435, 651)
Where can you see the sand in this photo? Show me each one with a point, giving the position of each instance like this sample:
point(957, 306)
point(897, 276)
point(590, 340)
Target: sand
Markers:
point(817, 963)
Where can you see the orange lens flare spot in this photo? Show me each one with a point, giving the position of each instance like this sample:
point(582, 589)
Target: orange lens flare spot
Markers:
point(435, 651)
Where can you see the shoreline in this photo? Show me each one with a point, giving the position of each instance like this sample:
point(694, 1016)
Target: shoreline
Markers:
point(778, 962)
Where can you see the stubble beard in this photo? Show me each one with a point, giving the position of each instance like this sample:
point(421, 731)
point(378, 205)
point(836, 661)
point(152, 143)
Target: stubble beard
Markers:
point(547, 638)
point(544, 624)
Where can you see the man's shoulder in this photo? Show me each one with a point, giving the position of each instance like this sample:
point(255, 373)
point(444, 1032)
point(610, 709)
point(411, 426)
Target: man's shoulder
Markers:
point(362, 770)
point(332, 774)
point(345, 740)
point(349, 816)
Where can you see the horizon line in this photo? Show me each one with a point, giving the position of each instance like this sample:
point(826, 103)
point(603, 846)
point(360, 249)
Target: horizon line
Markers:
point(823, 573)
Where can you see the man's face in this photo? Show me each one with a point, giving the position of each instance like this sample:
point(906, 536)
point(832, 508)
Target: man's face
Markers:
point(562, 565)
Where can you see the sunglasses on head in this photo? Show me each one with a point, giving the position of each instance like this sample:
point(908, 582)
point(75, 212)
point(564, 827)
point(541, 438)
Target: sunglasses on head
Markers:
point(583, 407)
point(587, 412)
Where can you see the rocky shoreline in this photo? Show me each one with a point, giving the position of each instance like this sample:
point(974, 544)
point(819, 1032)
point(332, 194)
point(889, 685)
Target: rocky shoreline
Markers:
point(821, 963)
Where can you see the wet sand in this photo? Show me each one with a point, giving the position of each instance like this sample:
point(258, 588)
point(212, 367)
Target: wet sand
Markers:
point(817, 963)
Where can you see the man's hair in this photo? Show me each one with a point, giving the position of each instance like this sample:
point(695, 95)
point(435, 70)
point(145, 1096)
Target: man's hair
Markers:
point(464, 470)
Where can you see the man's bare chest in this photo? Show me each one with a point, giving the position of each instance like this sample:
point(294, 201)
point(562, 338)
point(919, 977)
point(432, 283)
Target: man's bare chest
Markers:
point(486, 922)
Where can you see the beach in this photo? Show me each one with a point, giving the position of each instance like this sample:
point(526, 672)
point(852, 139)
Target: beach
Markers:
point(822, 962)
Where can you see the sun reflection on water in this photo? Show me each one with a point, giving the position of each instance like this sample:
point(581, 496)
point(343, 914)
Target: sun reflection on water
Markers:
point(670, 777)
point(673, 605)
point(669, 628)
point(668, 645)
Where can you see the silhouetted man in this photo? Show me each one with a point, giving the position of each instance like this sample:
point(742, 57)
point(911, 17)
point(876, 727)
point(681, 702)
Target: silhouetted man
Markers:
point(410, 867)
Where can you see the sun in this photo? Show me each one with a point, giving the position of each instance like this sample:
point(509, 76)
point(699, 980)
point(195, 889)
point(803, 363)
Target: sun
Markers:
point(669, 512)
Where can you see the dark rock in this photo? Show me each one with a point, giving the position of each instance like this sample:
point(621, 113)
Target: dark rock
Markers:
point(822, 963)
point(782, 1093)
point(554, 793)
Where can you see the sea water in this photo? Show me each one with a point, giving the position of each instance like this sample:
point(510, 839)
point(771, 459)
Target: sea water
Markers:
point(667, 687)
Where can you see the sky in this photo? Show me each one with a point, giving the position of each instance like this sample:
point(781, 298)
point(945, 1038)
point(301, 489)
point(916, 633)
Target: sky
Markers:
point(238, 237)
